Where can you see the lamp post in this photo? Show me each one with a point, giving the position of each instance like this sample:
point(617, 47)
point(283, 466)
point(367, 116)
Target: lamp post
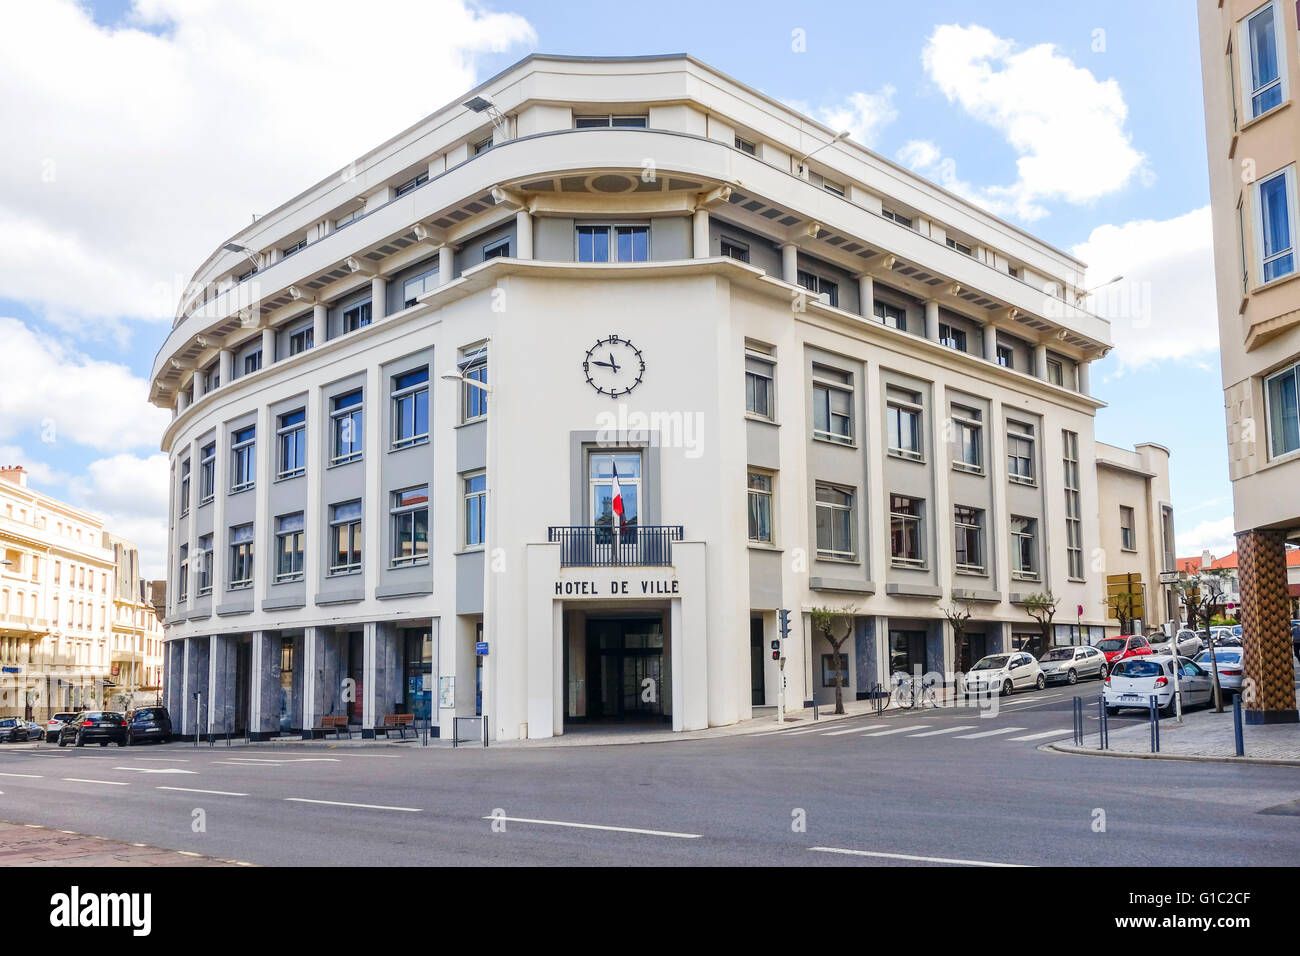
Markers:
point(459, 375)
point(839, 137)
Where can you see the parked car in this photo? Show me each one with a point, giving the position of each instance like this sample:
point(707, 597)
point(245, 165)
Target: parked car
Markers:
point(55, 724)
point(101, 727)
point(13, 730)
point(1071, 663)
point(1122, 647)
point(1132, 683)
point(34, 730)
point(1225, 637)
point(1003, 674)
point(149, 723)
point(1189, 644)
point(1230, 663)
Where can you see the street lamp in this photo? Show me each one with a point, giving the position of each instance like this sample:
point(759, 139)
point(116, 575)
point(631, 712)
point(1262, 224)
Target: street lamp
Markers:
point(839, 137)
point(244, 251)
point(481, 104)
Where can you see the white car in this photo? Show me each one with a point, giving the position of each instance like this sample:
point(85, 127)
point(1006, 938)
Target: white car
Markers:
point(1189, 644)
point(1003, 674)
point(1071, 663)
point(1135, 680)
point(1230, 663)
point(55, 724)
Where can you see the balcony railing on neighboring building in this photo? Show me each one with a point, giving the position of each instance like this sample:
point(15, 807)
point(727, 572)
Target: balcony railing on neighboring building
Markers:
point(607, 547)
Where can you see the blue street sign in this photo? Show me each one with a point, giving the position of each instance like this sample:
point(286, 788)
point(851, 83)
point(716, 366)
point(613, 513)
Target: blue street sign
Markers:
point(481, 649)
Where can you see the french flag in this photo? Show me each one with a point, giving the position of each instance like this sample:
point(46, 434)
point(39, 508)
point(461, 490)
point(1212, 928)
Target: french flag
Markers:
point(618, 501)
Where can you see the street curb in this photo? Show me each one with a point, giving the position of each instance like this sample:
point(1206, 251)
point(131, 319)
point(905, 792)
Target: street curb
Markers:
point(1193, 758)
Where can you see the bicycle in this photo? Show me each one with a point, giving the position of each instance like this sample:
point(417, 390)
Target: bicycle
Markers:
point(911, 692)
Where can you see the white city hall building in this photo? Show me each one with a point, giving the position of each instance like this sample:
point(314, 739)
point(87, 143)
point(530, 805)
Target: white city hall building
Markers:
point(406, 400)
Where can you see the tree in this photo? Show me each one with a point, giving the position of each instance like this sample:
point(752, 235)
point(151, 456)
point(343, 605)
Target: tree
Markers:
point(1200, 595)
point(1124, 607)
point(825, 620)
point(1042, 608)
point(958, 614)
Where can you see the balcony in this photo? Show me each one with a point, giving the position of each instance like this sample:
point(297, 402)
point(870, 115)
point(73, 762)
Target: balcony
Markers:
point(646, 546)
point(23, 626)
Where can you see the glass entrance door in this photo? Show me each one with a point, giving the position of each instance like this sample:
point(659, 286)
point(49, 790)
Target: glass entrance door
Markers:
point(626, 655)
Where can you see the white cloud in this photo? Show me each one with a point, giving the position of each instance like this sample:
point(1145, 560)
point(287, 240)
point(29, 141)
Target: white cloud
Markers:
point(1166, 306)
point(62, 395)
point(131, 153)
point(863, 115)
point(1214, 536)
point(130, 494)
point(39, 474)
point(1066, 126)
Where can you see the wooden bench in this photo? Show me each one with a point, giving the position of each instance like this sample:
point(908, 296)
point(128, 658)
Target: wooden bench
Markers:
point(338, 724)
point(401, 723)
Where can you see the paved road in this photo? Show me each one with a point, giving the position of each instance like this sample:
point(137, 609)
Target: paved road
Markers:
point(913, 788)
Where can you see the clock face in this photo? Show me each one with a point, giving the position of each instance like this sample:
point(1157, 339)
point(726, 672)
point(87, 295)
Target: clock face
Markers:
point(613, 366)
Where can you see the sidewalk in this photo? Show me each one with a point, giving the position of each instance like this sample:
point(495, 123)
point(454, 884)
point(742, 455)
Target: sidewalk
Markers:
point(1203, 735)
point(28, 845)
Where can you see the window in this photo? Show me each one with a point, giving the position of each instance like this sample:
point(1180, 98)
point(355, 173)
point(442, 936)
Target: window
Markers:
point(835, 537)
point(473, 365)
point(613, 243)
point(896, 217)
point(905, 531)
point(356, 316)
point(500, 249)
point(820, 286)
point(758, 386)
point(293, 247)
point(1020, 452)
point(616, 121)
point(1127, 529)
point(410, 517)
point(185, 487)
point(345, 423)
point(253, 361)
point(411, 408)
point(1073, 509)
point(903, 412)
point(475, 510)
point(735, 250)
point(1274, 228)
point(417, 286)
point(300, 340)
point(832, 404)
point(349, 217)
point(968, 525)
point(211, 378)
point(603, 468)
point(415, 182)
point(961, 247)
point(288, 548)
point(1024, 548)
point(1006, 357)
point(291, 439)
point(1013, 271)
point(204, 570)
point(207, 472)
point(241, 557)
point(832, 187)
point(968, 436)
point(1055, 372)
point(952, 337)
point(482, 146)
point(833, 664)
point(760, 507)
point(745, 146)
point(1283, 411)
point(182, 577)
point(891, 315)
point(1261, 64)
point(243, 458)
point(345, 538)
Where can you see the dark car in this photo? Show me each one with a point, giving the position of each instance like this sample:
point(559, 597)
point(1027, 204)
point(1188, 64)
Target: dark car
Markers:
point(34, 730)
point(149, 723)
point(101, 727)
point(13, 730)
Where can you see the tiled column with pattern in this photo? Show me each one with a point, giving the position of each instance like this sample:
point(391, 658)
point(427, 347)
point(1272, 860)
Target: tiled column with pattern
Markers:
point(1266, 627)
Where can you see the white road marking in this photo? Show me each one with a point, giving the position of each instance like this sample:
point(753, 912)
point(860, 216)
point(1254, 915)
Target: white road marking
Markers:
point(231, 763)
point(905, 856)
point(111, 783)
point(156, 769)
point(363, 806)
point(284, 760)
point(945, 730)
point(989, 733)
point(33, 776)
point(219, 793)
point(1047, 733)
point(854, 730)
point(897, 730)
point(597, 826)
point(165, 759)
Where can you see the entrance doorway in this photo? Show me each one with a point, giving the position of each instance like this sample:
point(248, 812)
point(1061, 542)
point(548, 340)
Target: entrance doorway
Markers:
point(625, 670)
point(757, 664)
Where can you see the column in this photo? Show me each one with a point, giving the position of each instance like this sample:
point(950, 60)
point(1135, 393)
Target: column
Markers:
point(790, 263)
point(990, 342)
point(1085, 378)
point(225, 366)
point(1266, 626)
point(195, 388)
point(867, 296)
point(524, 234)
point(700, 245)
point(319, 325)
point(1040, 361)
point(222, 658)
point(446, 264)
point(195, 713)
point(268, 346)
point(182, 400)
point(306, 667)
point(264, 676)
point(932, 321)
point(378, 298)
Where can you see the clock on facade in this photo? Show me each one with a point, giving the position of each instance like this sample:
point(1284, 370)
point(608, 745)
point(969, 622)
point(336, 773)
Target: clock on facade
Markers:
point(613, 366)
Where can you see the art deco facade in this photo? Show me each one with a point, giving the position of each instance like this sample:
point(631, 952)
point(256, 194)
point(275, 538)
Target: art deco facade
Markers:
point(406, 401)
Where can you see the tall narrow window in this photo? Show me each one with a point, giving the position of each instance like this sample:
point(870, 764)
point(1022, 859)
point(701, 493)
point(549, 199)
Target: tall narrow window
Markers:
point(475, 510)
point(185, 487)
point(1127, 529)
point(820, 286)
point(207, 472)
point(890, 315)
point(291, 437)
point(905, 531)
point(832, 404)
point(182, 576)
point(968, 533)
point(243, 457)
point(410, 518)
point(241, 557)
point(760, 507)
point(1020, 452)
point(1073, 508)
point(1283, 408)
point(1275, 230)
point(288, 547)
point(345, 423)
point(356, 316)
point(1024, 547)
point(473, 365)
point(345, 538)
point(411, 408)
point(204, 570)
point(301, 339)
point(952, 337)
point(835, 522)
point(1006, 357)
point(903, 411)
point(1261, 61)
point(968, 438)
point(758, 385)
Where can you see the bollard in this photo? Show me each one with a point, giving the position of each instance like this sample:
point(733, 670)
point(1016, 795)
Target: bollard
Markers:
point(1236, 725)
point(1103, 735)
point(1078, 721)
point(815, 712)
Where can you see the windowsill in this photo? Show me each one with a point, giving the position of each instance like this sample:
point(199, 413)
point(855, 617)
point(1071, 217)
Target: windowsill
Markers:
point(349, 573)
point(763, 546)
point(471, 549)
point(1129, 550)
point(424, 562)
point(1027, 482)
point(295, 579)
point(761, 419)
point(414, 443)
point(907, 565)
point(837, 559)
point(1273, 111)
point(344, 461)
point(972, 572)
point(207, 501)
point(835, 441)
point(290, 476)
point(471, 421)
point(240, 587)
point(1272, 284)
point(905, 456)
point(968, 469)
point(240, 490)
point(1031, 578)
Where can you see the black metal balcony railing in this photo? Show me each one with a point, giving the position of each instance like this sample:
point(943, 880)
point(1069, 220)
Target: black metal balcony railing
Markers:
point(605, 547)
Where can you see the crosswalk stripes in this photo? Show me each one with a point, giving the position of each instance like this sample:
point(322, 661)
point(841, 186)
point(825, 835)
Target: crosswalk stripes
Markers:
point(944, 730)
point(1045, 734)
point(988, 733)
point(896, 730)
point(853, 730)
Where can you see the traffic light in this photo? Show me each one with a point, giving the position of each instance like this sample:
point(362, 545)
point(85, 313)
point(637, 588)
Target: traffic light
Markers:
point(784, 616)
point(776, 655)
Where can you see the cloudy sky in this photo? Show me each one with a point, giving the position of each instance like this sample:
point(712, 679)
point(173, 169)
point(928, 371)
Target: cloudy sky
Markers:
point(142, 133)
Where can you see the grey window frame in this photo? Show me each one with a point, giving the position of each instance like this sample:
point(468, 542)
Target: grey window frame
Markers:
point(968, 525)
point(243, 459)
point(398, 514)
point(341, 414)
point(1019, 538)
point(839, 510)
point(759, 488)
point(295, 536)
point(914, 519)
point(346, 526)
point(296, 432)
point(241, 558)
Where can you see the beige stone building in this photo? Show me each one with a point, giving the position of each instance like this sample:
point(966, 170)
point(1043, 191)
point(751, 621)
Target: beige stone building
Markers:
point(1250, 62)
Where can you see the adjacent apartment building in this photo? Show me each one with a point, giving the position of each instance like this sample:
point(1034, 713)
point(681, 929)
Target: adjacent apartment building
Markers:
point(543, 409)
point(76, 627)
point(1250, 63)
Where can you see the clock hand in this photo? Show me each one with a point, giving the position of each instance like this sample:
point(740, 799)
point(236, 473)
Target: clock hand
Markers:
point(606, 365)
point(612, 363)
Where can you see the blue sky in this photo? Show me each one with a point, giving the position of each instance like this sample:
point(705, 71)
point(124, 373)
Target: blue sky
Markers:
point(107, 170)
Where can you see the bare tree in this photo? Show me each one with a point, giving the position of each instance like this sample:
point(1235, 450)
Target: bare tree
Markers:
point(1200, 595)
point(958, 614)
point(1042, 608)
point(825, 620)
point(1124, 607)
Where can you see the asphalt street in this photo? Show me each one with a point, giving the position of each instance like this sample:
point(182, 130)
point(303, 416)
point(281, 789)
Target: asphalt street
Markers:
point(950, 786)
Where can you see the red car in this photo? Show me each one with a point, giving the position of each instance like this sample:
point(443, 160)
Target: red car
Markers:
point(1126, 645)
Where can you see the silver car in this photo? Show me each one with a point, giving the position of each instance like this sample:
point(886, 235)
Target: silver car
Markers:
point(1189, 644)
point(1229, 662)
point(1070, 663)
